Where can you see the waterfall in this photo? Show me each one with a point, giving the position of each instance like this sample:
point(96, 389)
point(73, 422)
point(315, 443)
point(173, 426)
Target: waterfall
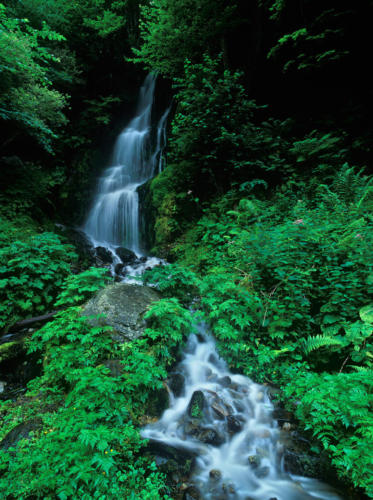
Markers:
point(114, 216)
point(225, 421)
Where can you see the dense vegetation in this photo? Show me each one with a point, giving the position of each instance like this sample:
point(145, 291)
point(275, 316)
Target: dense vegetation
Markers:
point(265, 210)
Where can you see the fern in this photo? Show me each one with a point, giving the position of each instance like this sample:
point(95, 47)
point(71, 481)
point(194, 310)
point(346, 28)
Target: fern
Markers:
point(317, 341)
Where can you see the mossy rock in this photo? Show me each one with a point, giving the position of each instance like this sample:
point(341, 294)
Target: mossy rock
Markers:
point(10, 350)
point(122, 307)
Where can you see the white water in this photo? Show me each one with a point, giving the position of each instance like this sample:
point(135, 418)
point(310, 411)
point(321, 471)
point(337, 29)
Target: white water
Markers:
point(246, 464)
point(114, 218)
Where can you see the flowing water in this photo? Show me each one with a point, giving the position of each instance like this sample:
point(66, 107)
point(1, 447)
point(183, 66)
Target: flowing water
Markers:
point(114, 218)
point(225, 421)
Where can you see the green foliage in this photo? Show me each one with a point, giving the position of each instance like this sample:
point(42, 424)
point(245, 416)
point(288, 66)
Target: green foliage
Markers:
point(79, 288)
point(175, 31)
point(319, 43)
point(337, 409)
point(215, 142)
point(168, 320)
point(87, 434)
point(173, 281)
point(286, 285)
point(25, 94)
point(31, 273)
point(91, 399)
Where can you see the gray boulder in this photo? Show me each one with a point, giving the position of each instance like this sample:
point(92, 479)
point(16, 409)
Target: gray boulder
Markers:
point(123, 306)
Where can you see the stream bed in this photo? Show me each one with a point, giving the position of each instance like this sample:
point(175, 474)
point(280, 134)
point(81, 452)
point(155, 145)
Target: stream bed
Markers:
point(224, 421)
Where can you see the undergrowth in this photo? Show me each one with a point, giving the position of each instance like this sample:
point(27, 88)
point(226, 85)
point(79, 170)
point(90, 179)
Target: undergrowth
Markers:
point(286, 283)
point(89, 403)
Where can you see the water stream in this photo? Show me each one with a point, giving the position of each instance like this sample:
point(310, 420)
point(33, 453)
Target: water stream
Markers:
point(225, 421)
point(114, 219)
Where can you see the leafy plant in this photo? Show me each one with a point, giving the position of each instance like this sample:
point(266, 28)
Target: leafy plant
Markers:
point(31, 274)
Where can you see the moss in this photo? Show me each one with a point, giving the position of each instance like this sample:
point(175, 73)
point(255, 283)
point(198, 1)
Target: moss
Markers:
point(9, 350)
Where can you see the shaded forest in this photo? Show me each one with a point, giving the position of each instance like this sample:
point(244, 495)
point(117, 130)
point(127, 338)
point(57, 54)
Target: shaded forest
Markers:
point(264, 213)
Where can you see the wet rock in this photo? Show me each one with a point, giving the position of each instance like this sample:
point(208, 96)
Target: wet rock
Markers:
point(287, 426)
point(261, 452)
point(21, 431)
point(182, 456)
point(260, 396)
point(228, 488)
point(240, 407)
point(82, 245)
point(281, 415)
point(118, 269)
point(233, 423)
point(197, 405)
point(126, 256)
point(262, 433)
point(143, 260)
point(121, 306)
point(224, 381)
point(215, 474)
point(176, 383)
point(104, 255)
point(299, 460)
point(262, 472)
point(211, 436)
point(254, 461)
point(213, 359)
point(192, 493)
point(220, 410)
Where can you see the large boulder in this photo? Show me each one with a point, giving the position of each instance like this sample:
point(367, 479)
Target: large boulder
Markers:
point(121, 306)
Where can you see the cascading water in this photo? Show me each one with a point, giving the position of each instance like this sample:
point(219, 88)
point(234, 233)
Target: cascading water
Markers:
point(226, 422)
point(114, 217)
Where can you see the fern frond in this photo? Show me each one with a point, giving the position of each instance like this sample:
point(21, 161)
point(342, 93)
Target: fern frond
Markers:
point(317, 341)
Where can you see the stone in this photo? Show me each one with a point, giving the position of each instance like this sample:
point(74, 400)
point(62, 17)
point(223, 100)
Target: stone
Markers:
point(181, 456)
point(287, 426)
point(192, 493)
point(126, 256)
point(21, 431)
point(281, 415)
point(196, 405)
point(215, 474)
point(176, 383)
point(10, 350)
point(220, 410)
point(211, 436)
point(122, 306)
point(104, 255)
point(224, 381)
point(82, 245)
point(234, 424)
point(254, 461)
point(262, 472)
point(119, 268)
